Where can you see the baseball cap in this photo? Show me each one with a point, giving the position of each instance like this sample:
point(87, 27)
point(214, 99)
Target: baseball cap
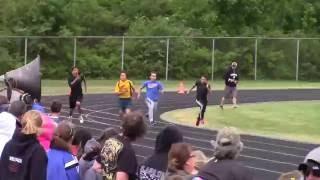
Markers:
point(228, 138)
point(311, 163)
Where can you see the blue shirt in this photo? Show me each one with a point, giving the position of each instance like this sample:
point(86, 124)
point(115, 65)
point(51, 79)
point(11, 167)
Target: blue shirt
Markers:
point(153, 89)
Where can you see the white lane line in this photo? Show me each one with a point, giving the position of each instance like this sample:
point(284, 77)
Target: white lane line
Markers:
point(263, 169)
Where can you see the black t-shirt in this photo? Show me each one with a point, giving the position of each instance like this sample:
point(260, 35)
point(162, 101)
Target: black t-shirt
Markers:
point(76, 88)
point(230, 77)
point(118, 156)
point(154, 168)
point(202, 90)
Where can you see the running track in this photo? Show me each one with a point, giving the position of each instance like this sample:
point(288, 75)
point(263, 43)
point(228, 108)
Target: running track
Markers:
point(265, 157)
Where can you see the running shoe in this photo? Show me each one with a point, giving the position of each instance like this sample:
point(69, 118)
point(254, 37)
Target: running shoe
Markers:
point(202, 121)
point(221, 107)
point(70, 118)
point(81, 119)
point(235, 106)
point(198, 121)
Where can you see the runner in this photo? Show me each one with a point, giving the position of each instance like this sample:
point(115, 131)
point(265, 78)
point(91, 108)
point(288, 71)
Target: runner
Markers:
point(231, 78)
point(124, 89)
point(76, 95)
point(154, 88)
point(203, 89)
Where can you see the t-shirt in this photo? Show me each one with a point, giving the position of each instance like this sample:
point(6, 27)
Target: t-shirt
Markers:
point(117, 155)
point(76, 88)
point(124, 86)
point(153, 89)
point(202, 90)
point(230, 77)
point(154, 168)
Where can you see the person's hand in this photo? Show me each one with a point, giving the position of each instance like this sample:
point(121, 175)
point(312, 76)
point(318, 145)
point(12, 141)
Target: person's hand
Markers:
point(188, 92)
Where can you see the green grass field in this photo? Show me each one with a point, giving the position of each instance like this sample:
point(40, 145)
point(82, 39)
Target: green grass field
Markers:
point(299, 121)
point(60, 87)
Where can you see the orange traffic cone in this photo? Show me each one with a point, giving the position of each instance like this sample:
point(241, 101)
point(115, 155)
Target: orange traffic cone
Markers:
point(181, 88)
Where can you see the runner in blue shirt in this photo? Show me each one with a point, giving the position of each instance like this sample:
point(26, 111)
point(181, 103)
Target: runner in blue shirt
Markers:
point(154, 88)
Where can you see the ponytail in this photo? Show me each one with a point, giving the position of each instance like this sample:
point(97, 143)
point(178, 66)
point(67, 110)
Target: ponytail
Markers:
point(31, 122)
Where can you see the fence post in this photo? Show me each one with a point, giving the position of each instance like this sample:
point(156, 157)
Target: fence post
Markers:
point(255, 58)
point(122, 54)
point(212, 60)
point(25, 50)
point(167, 58)
point(74, 51)
point(297, 60)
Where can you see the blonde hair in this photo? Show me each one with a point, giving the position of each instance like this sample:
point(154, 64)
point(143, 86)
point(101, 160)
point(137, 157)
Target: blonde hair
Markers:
point(31, 122)
point(200, 159)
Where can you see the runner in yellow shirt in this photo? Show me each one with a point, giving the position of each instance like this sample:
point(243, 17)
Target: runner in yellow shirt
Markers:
point(125, 90)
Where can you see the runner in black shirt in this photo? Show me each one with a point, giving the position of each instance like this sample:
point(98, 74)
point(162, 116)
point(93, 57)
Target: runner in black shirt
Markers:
point(76, 95)
point(203, 88)
point(231, 78)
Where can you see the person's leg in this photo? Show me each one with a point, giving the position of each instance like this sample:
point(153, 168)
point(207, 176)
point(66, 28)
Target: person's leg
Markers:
point(155, 111)
point(204, 107)
point(234, 97)
point(72, 105)
point(128, 106)
point(150, 105)
point(199, 116)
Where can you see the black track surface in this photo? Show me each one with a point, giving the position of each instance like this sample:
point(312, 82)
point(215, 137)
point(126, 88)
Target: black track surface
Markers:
point(265, 157)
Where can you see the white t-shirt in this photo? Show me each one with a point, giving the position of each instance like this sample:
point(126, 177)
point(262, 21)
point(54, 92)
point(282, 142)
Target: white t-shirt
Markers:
point(7, 128)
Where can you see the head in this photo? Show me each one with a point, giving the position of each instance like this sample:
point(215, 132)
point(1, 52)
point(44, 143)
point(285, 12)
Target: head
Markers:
point(166, 138)
point(63, 136)
point(106, 134)
point(123, 76)
point(228, 144)
point(31, 122)
point(133, 125)
point(91, 150)
point(4, 103)
point(296, 175)
point(81, 136)
point(200, 159)
point(17, 108)
point(56, 107)
point(75, 71)
point(234, 65)
point(204, 79)
point(310, 168)
point(180, 157)
point(153, 76)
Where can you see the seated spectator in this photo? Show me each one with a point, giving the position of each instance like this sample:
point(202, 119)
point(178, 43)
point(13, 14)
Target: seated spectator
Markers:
point(4, 103)
point(9, 121)
point(181, 162)
point(200, 159)
point(23, 157)
point(227, 148)
point(55, 111)
point(91, 151)
point(106, 134)
point(155, 167)
point(310, 168)
point(117, 155)
point(47, 128)
point(62, 164)
point(81, 136)
point(293, 175)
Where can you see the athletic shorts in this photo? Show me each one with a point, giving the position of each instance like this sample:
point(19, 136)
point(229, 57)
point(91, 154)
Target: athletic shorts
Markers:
point(230, 92)
point(73, 99)
point(125, 103)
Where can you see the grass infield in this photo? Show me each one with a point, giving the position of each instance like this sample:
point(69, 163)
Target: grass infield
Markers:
point(298, 121)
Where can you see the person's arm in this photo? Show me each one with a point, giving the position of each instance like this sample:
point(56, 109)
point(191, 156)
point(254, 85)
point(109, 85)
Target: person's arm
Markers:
point(84, 83)
point(209, 88)
point(161, 88)
point(237, 79)
point(38, 165)
point(141, 88)
point(188, 92)
point(117, 89)
point(122, 176)
point(74, 82)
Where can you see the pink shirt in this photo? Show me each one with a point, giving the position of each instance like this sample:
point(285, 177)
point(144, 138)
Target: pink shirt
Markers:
point(48, 127)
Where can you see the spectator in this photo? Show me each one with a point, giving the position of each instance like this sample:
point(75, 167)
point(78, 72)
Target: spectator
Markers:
point(4, 103)
point(37, 106)
point(200, 159)
point(23, 158)
point(62, 164)
point(311, 165)
point(9, 121)
point(227, 148)
point(181, 162)
point(55, 111)
point(47, 128)
point(293, 175)
point(106, 134)
point(81, 136)
point(155, 167)
point(117, 155)
point(91, 151)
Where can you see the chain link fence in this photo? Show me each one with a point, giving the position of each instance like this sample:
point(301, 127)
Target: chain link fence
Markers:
point(171, 56)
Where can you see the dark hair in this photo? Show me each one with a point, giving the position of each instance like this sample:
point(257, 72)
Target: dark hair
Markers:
point(62, 136)
point(153, 72)
point(17, 108)
point(81, 136)
point(56, 107)
point(106, 134)
point(74, 67)
point(133, 125)
point(205, 76)
point(178, 156)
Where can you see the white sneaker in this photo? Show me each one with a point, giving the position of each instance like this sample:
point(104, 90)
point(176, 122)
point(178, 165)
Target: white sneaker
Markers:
point(70, 118)
point(81, 119)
